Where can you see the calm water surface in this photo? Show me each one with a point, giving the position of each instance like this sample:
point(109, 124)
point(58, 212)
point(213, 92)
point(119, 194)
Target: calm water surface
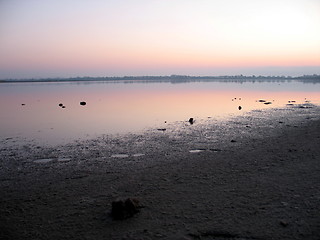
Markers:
point(31, 111)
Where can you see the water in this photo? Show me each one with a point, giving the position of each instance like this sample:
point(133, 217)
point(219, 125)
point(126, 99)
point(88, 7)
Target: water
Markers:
point(31, 111)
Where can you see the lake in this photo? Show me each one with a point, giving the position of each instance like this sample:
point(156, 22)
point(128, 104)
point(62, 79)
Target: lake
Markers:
point(31, 112)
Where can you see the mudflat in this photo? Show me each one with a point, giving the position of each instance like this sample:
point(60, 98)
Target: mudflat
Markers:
point(255, 176)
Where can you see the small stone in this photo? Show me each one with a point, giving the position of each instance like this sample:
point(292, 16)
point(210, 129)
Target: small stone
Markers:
point(124, 209)
point(283, 223)
point(83, 103)
point(239, 107)
point(233, 141)
point(191, 120)
point(60, 104)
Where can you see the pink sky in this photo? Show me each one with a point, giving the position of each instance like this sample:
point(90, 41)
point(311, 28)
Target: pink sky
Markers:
point(46, 38)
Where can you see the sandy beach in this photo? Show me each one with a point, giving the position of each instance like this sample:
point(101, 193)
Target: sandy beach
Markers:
point(255, 176)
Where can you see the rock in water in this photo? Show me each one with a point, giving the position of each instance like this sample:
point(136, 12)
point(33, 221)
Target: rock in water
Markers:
point(162, 129)
point(83, 103)
point(124, 209)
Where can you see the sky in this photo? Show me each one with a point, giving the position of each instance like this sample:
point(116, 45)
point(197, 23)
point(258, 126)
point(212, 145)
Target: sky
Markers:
point(67, 38)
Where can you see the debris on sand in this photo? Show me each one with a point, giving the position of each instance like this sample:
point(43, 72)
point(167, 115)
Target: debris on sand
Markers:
point(239, 107)
point(162, 129)
point(283, 223)
point(267, 103)
point(125, 209)
point(191, 121)
point(83, 103)
point(261, 100)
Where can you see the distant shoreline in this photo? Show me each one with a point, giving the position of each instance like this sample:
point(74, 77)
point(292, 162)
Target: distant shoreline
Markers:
point(175, 79)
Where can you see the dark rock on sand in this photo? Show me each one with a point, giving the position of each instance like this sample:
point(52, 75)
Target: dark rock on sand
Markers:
point(262, 100)
point(191, 120)
point(233, 141)
point(239, 107)
point(83, 103)
point(283, 223)
point(60, 105)
point(267, 103)
point(303, 106)
point(124, 209)
point(162, 129)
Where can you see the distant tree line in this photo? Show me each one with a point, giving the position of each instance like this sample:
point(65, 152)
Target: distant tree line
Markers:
point(177, 78)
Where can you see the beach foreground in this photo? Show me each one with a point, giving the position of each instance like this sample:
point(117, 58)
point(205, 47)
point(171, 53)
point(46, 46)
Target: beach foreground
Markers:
point(256, 176)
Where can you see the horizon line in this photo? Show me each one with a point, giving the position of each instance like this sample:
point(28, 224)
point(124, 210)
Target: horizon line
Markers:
point(150, 77)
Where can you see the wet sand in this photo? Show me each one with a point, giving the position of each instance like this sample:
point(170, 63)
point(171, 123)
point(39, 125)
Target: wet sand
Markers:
point(256, 176)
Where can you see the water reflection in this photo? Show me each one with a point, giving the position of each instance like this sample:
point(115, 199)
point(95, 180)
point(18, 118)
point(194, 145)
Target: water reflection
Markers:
point(31, 110)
